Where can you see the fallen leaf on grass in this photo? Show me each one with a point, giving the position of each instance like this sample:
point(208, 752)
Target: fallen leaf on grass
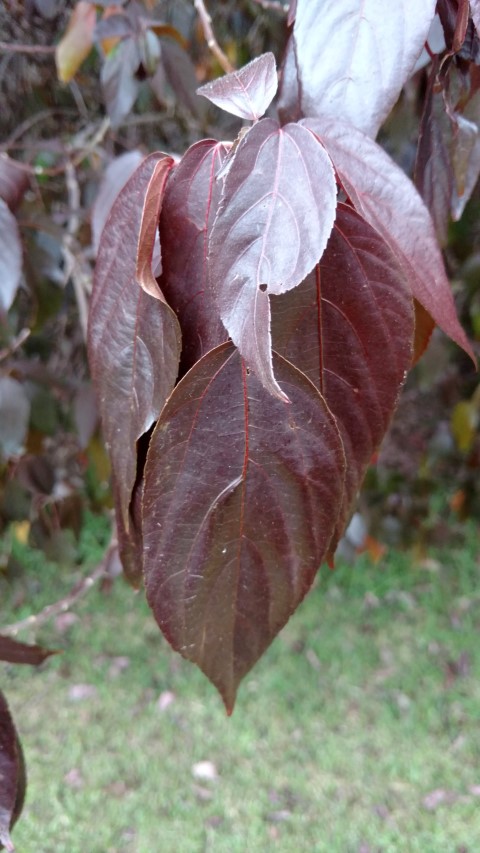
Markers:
point(438, 797)
point(80, 692)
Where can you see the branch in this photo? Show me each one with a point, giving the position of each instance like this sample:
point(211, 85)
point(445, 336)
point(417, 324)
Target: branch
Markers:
point(6, 47)
point(78, 591)
point(15, 344)
point(212, 42)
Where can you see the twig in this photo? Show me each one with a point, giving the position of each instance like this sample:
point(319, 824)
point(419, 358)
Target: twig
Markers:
point(51, 610)
point(15, 344)
point(7, 47)
point(212, 42)
point(74, 268)
point(74, 159)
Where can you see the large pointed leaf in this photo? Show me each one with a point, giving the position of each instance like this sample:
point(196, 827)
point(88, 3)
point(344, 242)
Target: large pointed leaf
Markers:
point(275, 217)
point(354, 56)
point(246, 93)
point(349, 328)
point(241, 499)
point(134, 339)
point(188, 211)
point(10, 257)
point(387, 199)
point(12, 776)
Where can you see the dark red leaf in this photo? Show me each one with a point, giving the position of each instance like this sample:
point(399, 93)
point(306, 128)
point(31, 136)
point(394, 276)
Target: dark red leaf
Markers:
point(289, 100)
point(246, 93)
point(119, 84)
point(241, 499)
point(114, 179)
point(134, 340)
point(360, 57)
point(13, 651)
point(148, 236)
point(424, 326)
point(13, 181)
point(12, 776)
point(10, 257)
point(387, 199)
point(274, 220)
point(349, 328)
point(188, 211)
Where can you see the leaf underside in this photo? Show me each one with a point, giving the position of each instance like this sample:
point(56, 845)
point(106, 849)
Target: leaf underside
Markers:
point(240, 505)
point(246, 93)
point(275, 217)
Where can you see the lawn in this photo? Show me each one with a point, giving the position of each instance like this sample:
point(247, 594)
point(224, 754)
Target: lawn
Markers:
point(358, 731)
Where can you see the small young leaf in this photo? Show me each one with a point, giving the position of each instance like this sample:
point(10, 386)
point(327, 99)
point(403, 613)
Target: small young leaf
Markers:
point(13, 651)
point(12, 776)
point(152, 205)
point(77, 41)
point(241, 499)
point(349, 328)
point(246, 93)
point(362, 53)
point(134, 340)
point(274, 220)
point(387, 199)
point(189, 208)
point(10, 257)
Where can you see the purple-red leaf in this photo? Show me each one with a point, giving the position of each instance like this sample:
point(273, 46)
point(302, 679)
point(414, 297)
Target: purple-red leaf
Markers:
point(349, 328)
point(274, 220)
point(189, 208)
point(12, 776)
point(354, 56)
point(246, 93)
point(180, 72)
point(241, 499)
point(149, 227)
point(134, 340)
point(10, 257)
point(387, 199)
point(13, 651)
point(114, 179)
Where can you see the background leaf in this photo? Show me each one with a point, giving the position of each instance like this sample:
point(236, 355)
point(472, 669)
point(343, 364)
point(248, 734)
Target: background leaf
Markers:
point(13, 181)
point(274, 220)
point(134, 340)
point(246, 93)
point(349, 328)
point(360, 57)
point(387, 199)
point(77, 42)
point(189, 208)
point(12, 775)
point(241, 499)
point(119, 84)
point(10, 257)
point(15, 409)
point(13, 651)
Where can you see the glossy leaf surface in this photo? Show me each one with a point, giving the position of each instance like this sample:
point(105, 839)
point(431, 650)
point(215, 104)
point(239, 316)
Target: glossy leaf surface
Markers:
point(349, 328)
point(12, 775)
point(241, 501)
point(10, 257)
point(246, 93)
point(189, 208)
point(274, 220)
point(387, 199)
point(114, 179)
point(360, 56)
point(134, 340)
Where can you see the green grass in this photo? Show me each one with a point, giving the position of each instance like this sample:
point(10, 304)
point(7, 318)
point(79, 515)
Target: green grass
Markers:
point(367, 703)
